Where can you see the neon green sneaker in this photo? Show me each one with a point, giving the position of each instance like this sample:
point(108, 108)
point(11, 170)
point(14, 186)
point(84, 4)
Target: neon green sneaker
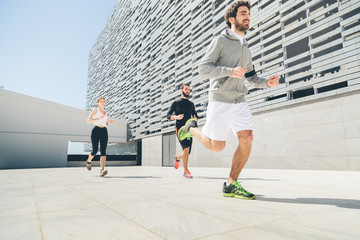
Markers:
point(184, 130)
point(237, 191)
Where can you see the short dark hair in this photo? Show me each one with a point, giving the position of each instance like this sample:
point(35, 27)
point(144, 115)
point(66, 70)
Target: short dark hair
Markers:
point(184, 84)
point(231, 12)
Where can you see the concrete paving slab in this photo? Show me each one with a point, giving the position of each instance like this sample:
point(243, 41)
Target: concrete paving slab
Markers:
point(91, 223)
point(314, 228)
point(20, 227)
point(173, 221)
point(158, 203)
point(17, 206)
point(247, 233)
point(245, 214)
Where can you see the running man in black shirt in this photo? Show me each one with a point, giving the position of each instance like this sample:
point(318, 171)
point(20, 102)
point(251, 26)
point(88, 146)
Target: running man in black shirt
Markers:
point(183, 109)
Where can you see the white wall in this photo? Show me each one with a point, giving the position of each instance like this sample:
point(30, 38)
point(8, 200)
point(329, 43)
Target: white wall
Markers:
point(35, 132)
point(323, 135)
point(151, 152)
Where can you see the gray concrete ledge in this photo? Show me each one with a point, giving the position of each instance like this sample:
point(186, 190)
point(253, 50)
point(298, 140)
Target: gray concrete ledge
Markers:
point(158, 203)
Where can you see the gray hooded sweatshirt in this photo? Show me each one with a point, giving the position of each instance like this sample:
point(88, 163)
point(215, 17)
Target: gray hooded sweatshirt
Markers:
point(225, 53)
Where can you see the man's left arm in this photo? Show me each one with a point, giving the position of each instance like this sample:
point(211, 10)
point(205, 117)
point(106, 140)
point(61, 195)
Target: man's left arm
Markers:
point(273, 81)
point(260, 82)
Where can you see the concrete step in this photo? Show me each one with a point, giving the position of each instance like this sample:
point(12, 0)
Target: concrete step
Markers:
point(97, 163)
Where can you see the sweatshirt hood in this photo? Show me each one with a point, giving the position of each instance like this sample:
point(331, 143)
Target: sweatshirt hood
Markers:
point(228, 34)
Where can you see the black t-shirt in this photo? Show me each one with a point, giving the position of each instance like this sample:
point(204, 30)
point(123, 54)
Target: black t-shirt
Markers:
point(182, 106)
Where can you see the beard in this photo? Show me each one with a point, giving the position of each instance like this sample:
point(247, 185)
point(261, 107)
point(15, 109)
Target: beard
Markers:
point(240, 26)
point(185, 95)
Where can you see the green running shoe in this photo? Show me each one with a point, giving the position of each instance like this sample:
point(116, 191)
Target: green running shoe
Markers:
point(237, 191)
point(184, 130)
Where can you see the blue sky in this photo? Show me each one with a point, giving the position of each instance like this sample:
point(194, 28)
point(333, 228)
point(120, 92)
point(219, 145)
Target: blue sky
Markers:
point(45, 44)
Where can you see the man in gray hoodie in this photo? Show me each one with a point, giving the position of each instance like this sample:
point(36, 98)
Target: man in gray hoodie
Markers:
point(227, 62)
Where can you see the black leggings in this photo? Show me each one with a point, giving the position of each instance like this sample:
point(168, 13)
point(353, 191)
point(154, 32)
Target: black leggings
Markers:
point(99, 134)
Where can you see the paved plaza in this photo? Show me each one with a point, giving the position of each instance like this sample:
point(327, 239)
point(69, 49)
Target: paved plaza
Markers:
point(158, 203)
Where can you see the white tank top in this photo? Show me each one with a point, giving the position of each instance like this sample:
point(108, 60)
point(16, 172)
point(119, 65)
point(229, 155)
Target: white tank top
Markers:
point(101, 121)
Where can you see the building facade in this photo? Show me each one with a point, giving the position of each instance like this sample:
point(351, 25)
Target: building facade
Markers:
point(42, 139)
point(147, 49)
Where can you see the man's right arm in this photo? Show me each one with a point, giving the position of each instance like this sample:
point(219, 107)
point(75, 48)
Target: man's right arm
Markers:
point(171, 110)
point(207, 67)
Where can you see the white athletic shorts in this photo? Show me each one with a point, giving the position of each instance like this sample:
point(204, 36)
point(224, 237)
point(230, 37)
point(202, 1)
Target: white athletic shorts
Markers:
point(220, 117)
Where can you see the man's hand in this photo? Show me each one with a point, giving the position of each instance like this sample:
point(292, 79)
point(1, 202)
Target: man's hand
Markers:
point(179, 117)
point(238, 72)
point(273, 81)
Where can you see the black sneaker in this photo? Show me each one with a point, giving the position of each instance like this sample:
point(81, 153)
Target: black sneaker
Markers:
point(237, 191)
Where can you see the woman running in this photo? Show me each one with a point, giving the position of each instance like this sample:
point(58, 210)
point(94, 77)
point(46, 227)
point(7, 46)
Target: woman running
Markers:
point(99, 133)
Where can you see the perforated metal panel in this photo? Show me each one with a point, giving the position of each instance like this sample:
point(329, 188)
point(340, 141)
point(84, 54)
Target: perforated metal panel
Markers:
point(147, 49)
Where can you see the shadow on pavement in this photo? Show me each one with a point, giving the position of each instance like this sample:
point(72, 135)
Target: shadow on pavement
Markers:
point(344, 203)
point(130, 177)
point(242, 179)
